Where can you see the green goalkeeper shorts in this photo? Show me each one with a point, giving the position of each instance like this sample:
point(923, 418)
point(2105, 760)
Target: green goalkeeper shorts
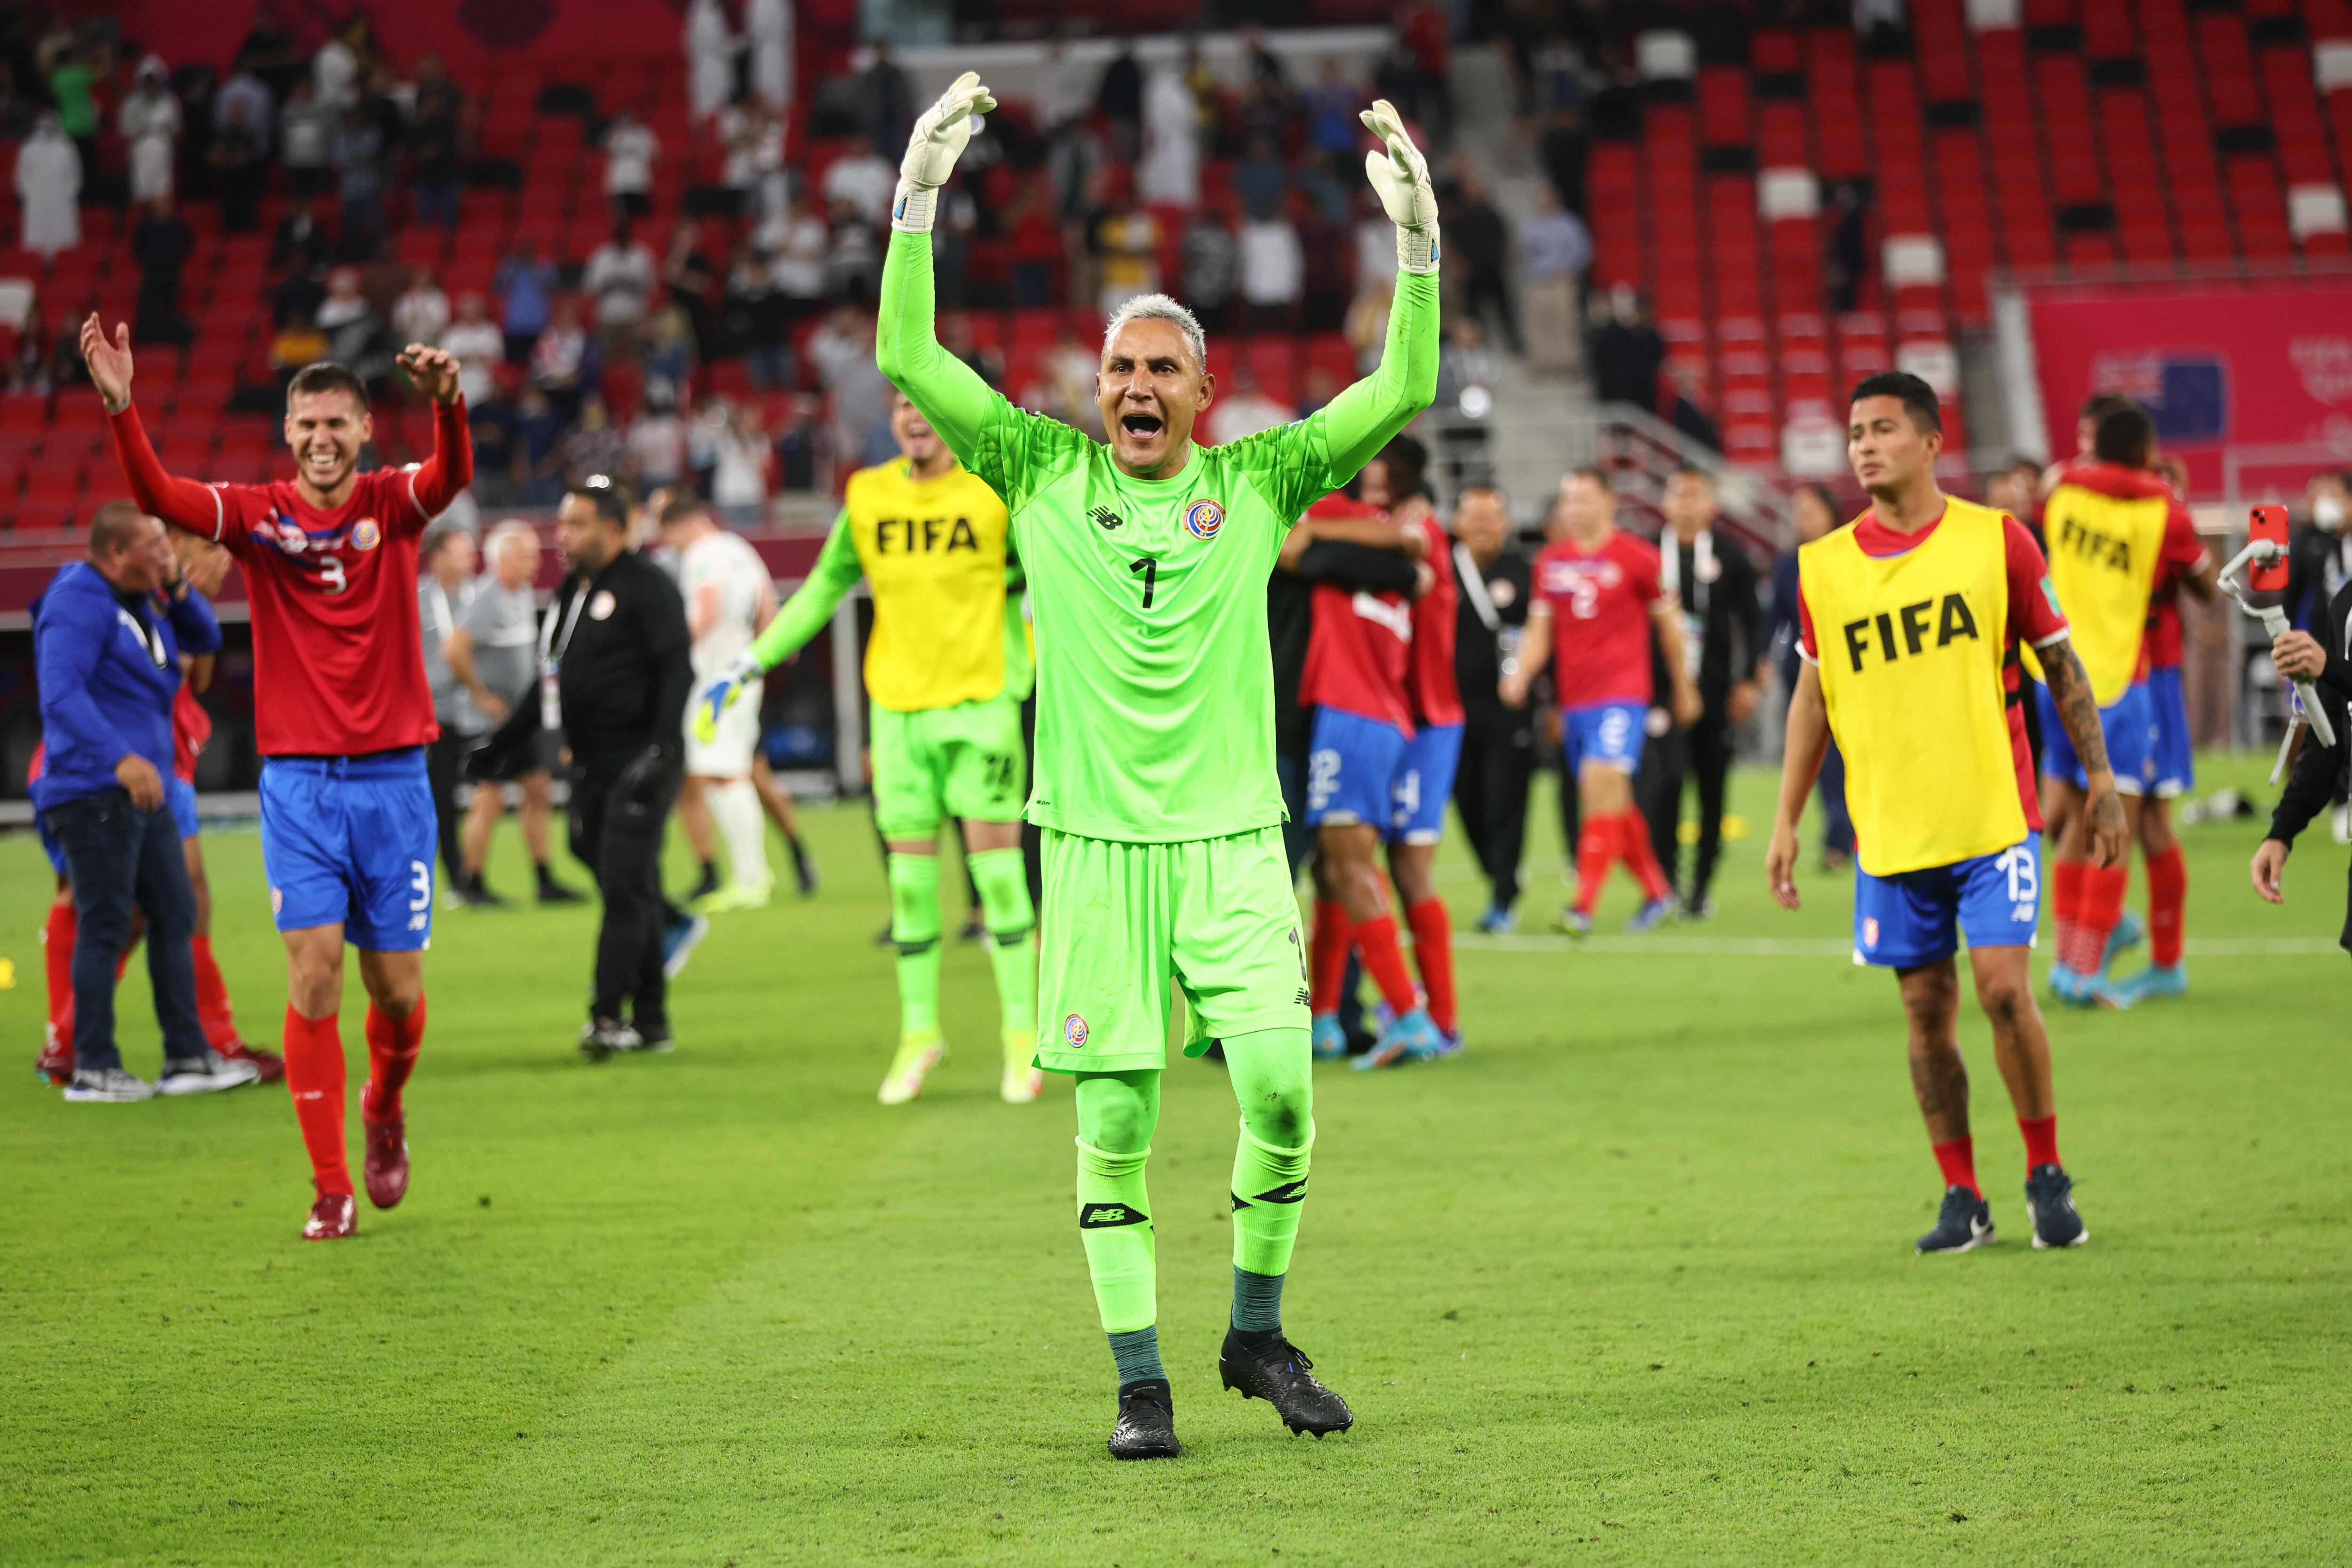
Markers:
point(1124, 926)
point(936, 762)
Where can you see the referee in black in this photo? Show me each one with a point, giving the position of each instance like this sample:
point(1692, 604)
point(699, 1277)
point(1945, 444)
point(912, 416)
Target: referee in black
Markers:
point(618, 647)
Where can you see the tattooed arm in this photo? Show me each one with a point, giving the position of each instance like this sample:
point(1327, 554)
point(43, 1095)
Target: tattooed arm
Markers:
point(2078, 710)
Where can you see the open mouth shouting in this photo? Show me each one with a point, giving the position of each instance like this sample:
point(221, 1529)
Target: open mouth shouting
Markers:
point(1141, 426)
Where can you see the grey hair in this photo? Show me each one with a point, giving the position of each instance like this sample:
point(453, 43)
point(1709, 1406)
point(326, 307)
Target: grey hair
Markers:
point(1159, 307)
point(512, 528)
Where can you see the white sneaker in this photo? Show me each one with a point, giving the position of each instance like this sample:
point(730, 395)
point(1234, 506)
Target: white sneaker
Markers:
point(107, 1085)
point(1023, 1081)
point(206, 1074)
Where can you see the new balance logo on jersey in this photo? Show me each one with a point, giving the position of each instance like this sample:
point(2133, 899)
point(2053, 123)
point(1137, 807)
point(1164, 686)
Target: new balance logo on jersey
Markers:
point(1110, 1216)
point(1107, 520)
point(1949, 622)
point(923, 534)
point(2098, 549)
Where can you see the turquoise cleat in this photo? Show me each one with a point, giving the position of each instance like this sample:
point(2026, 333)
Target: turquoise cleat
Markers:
point(1330, 1040)
point(2165, 980)
point(1415, 1034)
point(2128, 934)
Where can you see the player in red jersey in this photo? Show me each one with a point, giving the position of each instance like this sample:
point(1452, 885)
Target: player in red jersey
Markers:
point(342, 714)
point(1597, 602)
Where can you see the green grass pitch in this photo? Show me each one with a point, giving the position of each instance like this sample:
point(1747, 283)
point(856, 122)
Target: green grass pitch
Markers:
point(1631, 1281)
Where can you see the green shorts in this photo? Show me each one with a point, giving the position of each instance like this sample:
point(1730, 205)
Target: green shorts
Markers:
point(1124, 925)
point(937, 762)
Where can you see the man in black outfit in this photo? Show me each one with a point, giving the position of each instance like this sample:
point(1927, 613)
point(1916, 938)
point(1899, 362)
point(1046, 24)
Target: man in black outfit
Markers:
point(618, 646)
point(2322, 656)
point(1491, 577)
point(1723, 633)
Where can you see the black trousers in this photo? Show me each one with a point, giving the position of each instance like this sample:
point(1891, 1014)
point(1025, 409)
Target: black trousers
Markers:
point(619, 836)
point(441, 760)
point(118, 857)
point(1490, 791)
point(1702, 752)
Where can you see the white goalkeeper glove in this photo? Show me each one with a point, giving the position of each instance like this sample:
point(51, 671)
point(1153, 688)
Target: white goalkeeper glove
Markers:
point(1400, 175)
point(940, 134)
point(721, 693)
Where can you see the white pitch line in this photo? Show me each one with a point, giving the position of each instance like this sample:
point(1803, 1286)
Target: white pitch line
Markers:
point(1823, 947)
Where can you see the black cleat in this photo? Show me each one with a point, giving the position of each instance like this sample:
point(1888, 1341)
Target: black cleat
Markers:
point(804, 871)
point(1147, 1423)
point(1279, 1372)
point(2049, 1205)
point(1962, 1224)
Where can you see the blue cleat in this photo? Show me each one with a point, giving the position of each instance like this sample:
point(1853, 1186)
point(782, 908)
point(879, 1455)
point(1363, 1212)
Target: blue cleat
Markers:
point(680, 937)
point(1330, 1040)
point(1650, 916)
point(1449, 1044)
point(2167, 980)
point(1414, 1034)
point(2076, 990)
point(2128, 934)
point(1574, 921)
point(1498, 921)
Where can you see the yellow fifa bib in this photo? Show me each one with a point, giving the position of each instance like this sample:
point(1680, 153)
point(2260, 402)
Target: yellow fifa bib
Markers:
point(1911, 649)
point(2103, 552)
point(934, 555)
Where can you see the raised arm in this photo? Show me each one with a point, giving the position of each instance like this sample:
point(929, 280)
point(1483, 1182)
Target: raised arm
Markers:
point(450, 470)
point(1369, 413)
point(906, 342)
point(183, 503)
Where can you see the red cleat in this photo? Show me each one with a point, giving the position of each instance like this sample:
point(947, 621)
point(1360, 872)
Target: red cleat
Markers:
point(56, 1059)
point(332, 1217)
point(387, 1166)
point(272, 1065)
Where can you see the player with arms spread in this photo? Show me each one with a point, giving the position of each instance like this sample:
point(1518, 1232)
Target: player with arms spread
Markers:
point(1148, 561)
point(342, 715)
point(947, 680)
point(1926, 598)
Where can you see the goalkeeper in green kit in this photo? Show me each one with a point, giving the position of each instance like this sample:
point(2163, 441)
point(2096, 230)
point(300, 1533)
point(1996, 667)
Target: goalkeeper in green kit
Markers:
point(1155, 786)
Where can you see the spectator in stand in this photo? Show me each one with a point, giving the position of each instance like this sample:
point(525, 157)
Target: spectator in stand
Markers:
point(1626, 352)
point(739, 486)
point(537, 433)
point(1464, 360)
point(1688, 414)
point(1213, 264)
point(620, 278)
point(1477, 243)
point(767, 31)
point(1330, 107)
point(73, 87)
point(196, 87)
point(160, 245)
point(437, 178)
point(48, 189)
point(1245, 410)
point(352, 325)
point(657, 441)
point(866, 181)
point(841, 348)
point(666, 349)
point(1367, 326)
point(1066, 392)
point(754, 140)
point(1562, 151)
point(344, 62)
point(246, 89)
point(694, 284)
point(1037, 248)
point(1119, 101)
point(1126, 239)
point(1262, 181)
point(149, 125)
point(561, 362)
point(270, 52)
point(1273, 272)
point(631, 148)
point(479, 347)
point(239, 171)
point(421, 313)
point(757, 323)
point(1555, 248)
point(710, 50)
point(525, 287)
point(1171, 167)
point(853, 266)
point(797, 246)
point(299, 243)
point(592, 446)
point(358, 169)
point(955, 337)
point(306, 142)
point(886, 99)
point(492, 421)
point(1849, 258)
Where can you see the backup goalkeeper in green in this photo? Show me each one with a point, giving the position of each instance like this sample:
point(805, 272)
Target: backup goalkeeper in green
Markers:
point(1155, 788)
point(948, 667)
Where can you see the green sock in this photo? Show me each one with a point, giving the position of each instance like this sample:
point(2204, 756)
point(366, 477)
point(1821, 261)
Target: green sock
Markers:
point(915, 926)
point(1116, 1115)
point(1272, 1074)
point(1003, 877)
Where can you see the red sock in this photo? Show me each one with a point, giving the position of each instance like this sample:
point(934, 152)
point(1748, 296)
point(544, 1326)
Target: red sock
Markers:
point(1376, 940)
point(2103, 906)
point(1328, 957)
point(2065, 907)
point(1596, 850)
point(1958, 1161)
point(2041, 1140)
point(212, 996)
point(2168, 893)
point(315, 1077)
point(1433, 955)
point(57, 956)
point(1641, 855)
point(391, 1056)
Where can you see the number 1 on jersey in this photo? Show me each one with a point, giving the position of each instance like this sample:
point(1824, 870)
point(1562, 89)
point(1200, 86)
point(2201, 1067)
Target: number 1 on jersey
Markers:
point(1149, 567)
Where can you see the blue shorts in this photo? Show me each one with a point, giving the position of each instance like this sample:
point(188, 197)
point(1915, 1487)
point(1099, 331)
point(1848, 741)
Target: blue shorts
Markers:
point(351, 841)
point(182, 796)
point(2176, 762)
point(1906, 921)
point(2129, 731)
point(1351, 770)
point(1607, 733)
point(1425, 783)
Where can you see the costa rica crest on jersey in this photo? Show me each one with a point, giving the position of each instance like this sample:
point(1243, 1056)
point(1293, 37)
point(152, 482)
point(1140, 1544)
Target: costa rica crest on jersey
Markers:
point(365, 534)
point(1202, 519)
point(1073, 1029)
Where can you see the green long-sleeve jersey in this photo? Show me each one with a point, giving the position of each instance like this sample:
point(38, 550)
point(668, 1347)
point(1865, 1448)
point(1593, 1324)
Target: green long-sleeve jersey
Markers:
point(1155, 685)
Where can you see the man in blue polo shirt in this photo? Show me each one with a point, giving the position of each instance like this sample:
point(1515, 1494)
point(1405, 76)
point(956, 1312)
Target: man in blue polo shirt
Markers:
point(109, 665)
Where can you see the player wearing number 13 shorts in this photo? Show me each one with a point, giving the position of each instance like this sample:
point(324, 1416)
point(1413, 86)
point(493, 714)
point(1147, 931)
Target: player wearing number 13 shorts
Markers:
point(342, 715)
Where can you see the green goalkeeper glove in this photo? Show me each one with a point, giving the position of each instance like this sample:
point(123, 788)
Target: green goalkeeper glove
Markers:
point(1400, 176)
point(721, 693)
point(941, 135)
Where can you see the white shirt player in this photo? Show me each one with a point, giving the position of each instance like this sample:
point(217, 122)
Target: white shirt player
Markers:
point(729, 594)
